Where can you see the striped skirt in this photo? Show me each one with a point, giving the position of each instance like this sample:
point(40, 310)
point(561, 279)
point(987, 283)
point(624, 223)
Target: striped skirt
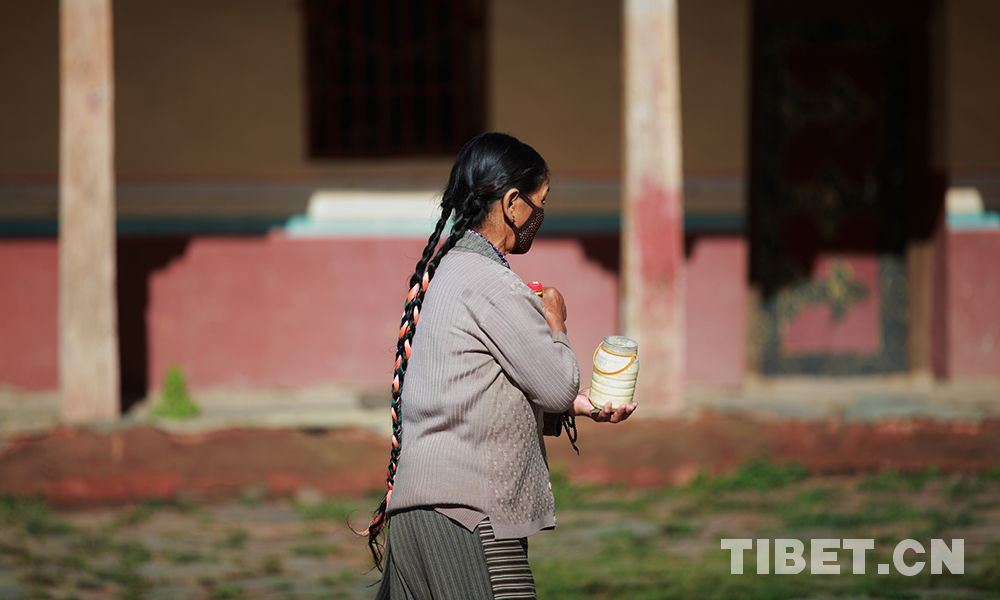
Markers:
point(430, 556)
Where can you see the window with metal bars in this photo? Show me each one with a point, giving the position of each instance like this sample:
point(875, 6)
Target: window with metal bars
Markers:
point(394, 77)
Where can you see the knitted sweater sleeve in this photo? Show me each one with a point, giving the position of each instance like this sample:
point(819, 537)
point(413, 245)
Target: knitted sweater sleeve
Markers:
point(537, 360)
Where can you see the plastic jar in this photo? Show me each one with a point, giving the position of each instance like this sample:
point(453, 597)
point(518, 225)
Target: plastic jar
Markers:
point(616, 367)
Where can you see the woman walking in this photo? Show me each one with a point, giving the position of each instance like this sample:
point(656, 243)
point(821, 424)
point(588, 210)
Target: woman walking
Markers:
point(483, 368)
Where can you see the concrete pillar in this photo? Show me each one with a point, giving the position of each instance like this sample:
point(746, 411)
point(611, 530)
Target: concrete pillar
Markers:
point(88, 323)
point(653, 224)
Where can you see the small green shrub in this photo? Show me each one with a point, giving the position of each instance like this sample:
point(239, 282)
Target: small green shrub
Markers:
point(176, 403)
point(758, 474)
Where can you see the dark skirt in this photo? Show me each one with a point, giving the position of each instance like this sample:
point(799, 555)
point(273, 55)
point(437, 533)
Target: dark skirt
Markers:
point(430, 556)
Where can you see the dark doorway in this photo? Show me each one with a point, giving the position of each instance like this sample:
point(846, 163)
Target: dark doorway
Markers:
point(138, 258)
point(837, 158)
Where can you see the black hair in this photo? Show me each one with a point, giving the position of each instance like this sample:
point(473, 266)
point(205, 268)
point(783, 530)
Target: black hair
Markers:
point(485, 168)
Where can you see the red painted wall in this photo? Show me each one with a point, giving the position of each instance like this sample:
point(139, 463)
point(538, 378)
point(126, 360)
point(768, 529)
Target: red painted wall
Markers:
point(276, 311)
point(973, 305)
point(29, 314)
point(715, 309)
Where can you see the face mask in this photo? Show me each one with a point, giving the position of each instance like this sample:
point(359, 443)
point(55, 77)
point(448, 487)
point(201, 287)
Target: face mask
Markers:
point(525, 234)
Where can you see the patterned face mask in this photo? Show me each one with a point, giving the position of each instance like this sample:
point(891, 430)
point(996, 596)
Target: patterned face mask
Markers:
point(525, 234)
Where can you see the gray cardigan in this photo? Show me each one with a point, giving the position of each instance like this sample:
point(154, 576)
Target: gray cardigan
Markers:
point(484, 369)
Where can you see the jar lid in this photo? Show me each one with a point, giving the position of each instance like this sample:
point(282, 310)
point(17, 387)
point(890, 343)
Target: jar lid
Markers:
point(620, 344)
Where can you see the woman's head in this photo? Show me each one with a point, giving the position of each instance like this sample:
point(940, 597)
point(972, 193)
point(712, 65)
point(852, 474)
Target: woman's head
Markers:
point(489, 168)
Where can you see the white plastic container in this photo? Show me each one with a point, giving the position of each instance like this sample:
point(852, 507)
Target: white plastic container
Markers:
point(616, 367)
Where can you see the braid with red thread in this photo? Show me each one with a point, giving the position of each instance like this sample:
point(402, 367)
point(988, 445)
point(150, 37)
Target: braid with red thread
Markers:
point(407, 329)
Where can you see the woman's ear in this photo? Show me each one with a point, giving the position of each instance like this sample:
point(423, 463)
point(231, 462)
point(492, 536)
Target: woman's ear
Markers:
point(508, 202)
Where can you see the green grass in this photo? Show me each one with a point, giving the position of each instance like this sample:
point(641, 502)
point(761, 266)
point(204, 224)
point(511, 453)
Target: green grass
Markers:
point(227, 590)
point(758, 474)
point(654, 553)
point(327, 510)
point(31, 514)
point(175, 403)
point(894, 480)
point(315, 550)
point(851, 520)
point(611, 542)
point(234, 540)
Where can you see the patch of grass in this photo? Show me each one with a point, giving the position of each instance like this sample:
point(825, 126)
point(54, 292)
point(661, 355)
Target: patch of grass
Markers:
point(133, 553)
point(175, 403)
point(91, 544)
point(284, 585)
point(253, 496)
point(964, 487)
point(139, 514)
point(659, 576)
point(343, 577)
point(940, 521)
point(758, 474)
point(327, 510)
point(820, 495)
point(185, 557)
point(872, 514)
point(235, 539)
point(132, 582)
point(314, 550)
point(570, 496)
point(894, 480)
point(679, 527)
point(72, 562)
point(986, 574)
point(31, 514)
point(272, 565)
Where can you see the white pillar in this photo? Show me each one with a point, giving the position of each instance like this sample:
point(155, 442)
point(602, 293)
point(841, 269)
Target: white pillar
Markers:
point(653, 223)
point(88, 322)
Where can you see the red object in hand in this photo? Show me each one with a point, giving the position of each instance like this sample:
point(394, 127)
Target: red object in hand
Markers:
point(536, 287)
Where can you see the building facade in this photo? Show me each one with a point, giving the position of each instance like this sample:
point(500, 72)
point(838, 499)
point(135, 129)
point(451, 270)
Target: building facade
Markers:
point(277, 163)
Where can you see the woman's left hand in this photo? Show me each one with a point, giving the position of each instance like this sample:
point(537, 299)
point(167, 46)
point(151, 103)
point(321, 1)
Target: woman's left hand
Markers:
point(582, 407)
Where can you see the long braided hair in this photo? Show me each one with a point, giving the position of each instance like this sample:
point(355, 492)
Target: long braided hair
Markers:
point(485, 168)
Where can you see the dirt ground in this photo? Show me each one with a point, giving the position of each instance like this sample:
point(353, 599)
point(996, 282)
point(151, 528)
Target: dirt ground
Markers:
point(80, 467)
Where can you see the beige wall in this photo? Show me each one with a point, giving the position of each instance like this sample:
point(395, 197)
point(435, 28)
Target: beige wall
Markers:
point(208, 88)
point(555, 80)
point(972, 88)
point(29, 80)
point(214, 90)
point(715, 85)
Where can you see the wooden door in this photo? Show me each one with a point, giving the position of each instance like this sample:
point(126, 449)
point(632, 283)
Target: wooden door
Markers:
point(835, 116)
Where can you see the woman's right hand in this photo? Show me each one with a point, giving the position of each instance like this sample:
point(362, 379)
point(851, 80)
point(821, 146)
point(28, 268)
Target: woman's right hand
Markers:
point(554, 308)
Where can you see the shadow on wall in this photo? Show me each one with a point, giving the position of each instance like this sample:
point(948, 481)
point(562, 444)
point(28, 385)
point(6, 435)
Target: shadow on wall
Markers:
point(604, 251)
point(138, 259)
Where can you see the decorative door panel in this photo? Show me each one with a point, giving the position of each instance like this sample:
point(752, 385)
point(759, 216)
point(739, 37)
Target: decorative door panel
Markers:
point(829, 187)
